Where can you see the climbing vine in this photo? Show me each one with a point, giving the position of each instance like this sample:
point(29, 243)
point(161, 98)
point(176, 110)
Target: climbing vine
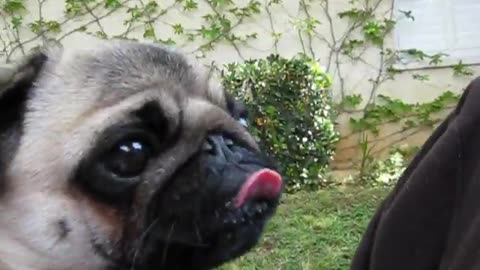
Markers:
point(206, 27)
point(370, 25)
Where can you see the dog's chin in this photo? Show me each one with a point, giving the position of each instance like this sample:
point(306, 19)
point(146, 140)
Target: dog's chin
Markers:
point(222, 237)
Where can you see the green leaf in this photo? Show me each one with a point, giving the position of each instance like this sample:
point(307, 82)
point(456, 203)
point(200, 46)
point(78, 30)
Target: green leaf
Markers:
point(350, 45)
point(190, 5)
point(178, 29)
point(407, 14)
point(149, 32)
point(168, 41)
point(352, 101)
point(220, 3)
point(356, 14)
point(210, 33)
point(74, 7)
point(112, 4)
point(42, 26)
point(53, 27)
point(16, 21)
point(415, 53)
point(461, 69)
point(150, 8)
point(13, 6)
point(101, 35)
point(421, 77)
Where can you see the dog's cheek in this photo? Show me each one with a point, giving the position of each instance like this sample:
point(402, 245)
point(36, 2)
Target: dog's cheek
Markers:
point(53, 229)
point(102, 219)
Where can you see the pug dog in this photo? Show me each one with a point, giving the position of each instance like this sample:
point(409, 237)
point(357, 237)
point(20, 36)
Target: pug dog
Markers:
point(126, 155)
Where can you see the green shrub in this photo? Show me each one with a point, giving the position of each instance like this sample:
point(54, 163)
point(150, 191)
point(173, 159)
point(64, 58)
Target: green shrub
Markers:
point(385, 172)
point(290, 113)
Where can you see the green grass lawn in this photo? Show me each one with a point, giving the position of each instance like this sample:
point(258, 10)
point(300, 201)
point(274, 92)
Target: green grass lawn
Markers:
point(314, 230)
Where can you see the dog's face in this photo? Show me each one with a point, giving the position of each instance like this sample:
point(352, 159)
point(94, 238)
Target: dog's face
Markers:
point(124, 155)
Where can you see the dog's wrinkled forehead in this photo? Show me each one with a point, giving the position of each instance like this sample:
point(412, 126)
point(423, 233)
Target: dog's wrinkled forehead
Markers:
point(115, 70)
point(82, 91)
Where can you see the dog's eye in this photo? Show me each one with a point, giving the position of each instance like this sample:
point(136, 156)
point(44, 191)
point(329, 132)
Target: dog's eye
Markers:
point(129, 158)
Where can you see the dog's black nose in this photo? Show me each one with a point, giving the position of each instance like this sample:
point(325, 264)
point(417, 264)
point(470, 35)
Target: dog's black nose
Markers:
point(220, 146)
point(259, 183)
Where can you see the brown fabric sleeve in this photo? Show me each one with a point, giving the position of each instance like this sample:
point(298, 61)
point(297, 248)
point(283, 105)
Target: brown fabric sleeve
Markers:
point(412, 229)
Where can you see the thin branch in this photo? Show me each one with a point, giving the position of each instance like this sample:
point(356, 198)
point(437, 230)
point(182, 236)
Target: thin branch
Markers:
point(333, 46)
point(153, 19)
point(40, 17)
point(96, 19)
point(307, 13)
point(272, 27)
point(401, 139)
point(14, 34)
point(223, 34)
point(43, 31)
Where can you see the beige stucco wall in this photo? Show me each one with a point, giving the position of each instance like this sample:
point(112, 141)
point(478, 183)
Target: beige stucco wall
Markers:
point(356, 75)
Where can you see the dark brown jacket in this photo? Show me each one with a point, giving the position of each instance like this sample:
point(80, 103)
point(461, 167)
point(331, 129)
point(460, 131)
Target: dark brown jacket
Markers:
point(431, 219)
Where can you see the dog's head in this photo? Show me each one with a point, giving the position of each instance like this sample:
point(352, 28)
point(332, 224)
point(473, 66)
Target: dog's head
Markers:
point(123, 155)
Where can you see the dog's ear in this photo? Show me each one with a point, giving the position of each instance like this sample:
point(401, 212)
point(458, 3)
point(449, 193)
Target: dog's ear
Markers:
point(15, 84)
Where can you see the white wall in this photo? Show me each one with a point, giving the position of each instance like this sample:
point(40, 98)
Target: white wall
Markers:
point(355, 75)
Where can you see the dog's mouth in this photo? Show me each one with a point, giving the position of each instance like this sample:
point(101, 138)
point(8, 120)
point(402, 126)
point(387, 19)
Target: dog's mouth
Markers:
point(210, 234)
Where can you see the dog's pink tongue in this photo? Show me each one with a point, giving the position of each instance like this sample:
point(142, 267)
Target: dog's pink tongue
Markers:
point(263, 184)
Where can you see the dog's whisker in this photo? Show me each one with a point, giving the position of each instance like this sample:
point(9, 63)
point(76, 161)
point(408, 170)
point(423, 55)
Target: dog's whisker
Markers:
point(142, 239)
point(167, 244)
point(191, 244)
point(197, 231)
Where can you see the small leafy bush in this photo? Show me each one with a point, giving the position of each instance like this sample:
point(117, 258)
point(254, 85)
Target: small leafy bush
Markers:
point(290, 113)
point(386, 172)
